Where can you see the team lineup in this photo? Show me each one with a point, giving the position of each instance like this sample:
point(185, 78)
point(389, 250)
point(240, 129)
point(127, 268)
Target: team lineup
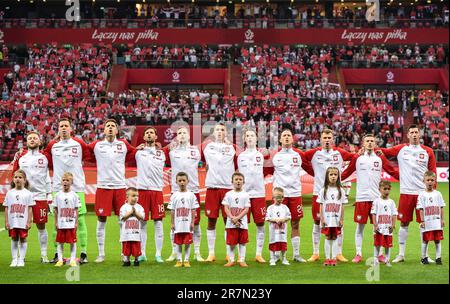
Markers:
point(235, 188)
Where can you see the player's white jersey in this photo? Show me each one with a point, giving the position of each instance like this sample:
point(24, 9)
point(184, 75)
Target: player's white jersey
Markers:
point(131, 227)
point(35, 165)
point(150, 169)
point(111, 158)
point(287, 165)
point(185, 158)
point(18, 202)
point(368, 177)
point(331, 205)
point(237, 202)
point(431, 204)
point(251, 165)
point(67, 204)
point(321, 161)
point(182, 204)
point(67, 156)
point(220, 160)
point(277, 232)
point(384, 210)
point(413, 162)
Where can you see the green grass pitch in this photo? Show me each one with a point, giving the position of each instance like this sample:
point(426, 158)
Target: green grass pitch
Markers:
point(111, 271)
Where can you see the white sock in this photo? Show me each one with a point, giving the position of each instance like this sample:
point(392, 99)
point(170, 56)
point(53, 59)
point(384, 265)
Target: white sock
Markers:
point(242, 250)
point(60, 250)
point(424, 249)
point(438, 250)
point(381, 250)
point(43, 239)
point(376, 252)
point(101, 232)
point(327, 249)
point(260, 236)
point(388, 254)
point(296, 245)
point(144, 237)
point(230, 252)
point(402, 237)
point(211, 237)
point(340, 241)
point(73, 251)
point(159, 237)
point(197, 238)
point(421, 237)
point(335, 248)
point(187, 252)
point(174, 246)
point(283, 255)
point(359, 235)
point(316, 239)
point(14, 249)
point(179, 252)
point(277, 255)
point(272, 256)
point(22, 250)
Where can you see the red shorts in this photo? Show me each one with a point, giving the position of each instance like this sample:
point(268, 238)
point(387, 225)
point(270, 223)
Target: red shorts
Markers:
point(183, 238)
point(132, 248)
point(435, 235)
point(362, 212)
point(258, 210)
point(406, 206)
point(315, 209)
point(108, 199)
point(213, 202)
point(382, 240)
point(197, 212)
point(152, 202)
point(40, 211)
point(280, 246)
point(237, 236)
point(295, 206)
point(68, 236)
point(18, 233)
point(328, 231)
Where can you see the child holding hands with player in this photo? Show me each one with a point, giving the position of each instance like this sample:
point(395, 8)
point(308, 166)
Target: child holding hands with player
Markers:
point(66, 206)
point(384, 214)
point(183, 204)
point(236, 203)
point(278, 214)
point(430, 204)
point(18, 216)
point(131, 214)
point(331, 199)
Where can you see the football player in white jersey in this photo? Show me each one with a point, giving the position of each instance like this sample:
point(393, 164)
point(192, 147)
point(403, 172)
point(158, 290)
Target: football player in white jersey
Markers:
point(220, 157)
point(368, 167)
point(36, 163)
point(414, 160)
point(321, 158)
point(251, 165)
point(111, 155)
point(184, 157)
point(431, 206)
point(150, 163)
point(68, 153)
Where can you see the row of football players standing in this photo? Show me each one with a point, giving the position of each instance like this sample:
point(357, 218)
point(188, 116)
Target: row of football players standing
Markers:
point(222, 158)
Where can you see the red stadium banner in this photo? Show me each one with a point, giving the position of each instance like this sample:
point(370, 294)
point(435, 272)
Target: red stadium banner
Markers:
point(226, 36)
point(396, 76)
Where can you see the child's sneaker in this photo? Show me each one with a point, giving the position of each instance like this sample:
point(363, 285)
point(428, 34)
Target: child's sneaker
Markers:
point(326, 263)
point(178, 264)
point(59, 263)
point(126, 264)
point(285, 262)
point(73, 263)
point(13, 263)
point(357, 259)
point(438, 261)
point(333, 262)
point(382, 259)
point(388, 264)
point(425, 261)
point(187, 264)
point(136, 262)
point(272, 263)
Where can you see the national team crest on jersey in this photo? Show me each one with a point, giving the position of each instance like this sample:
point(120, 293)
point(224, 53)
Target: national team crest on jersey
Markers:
point(227, 149)
point(295, 160)
point(335, 158)
point(258, 159)
point(421, 156)
point(376, 164)
point(40, 161)
point(119, 147)
point(192, 153)
point(158, 153)
point(74, 150)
